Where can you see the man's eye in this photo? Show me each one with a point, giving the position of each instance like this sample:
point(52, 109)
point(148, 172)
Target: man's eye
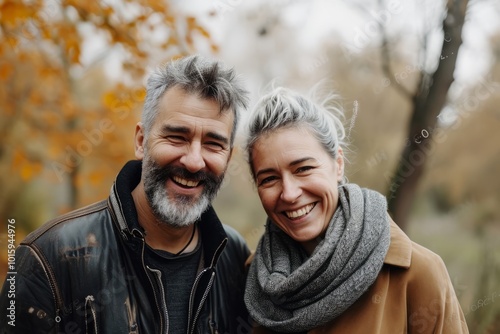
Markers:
point(215, 145)
point(175, 138)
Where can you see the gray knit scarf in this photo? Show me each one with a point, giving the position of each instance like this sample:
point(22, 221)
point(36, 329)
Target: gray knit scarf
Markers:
point(289, 291)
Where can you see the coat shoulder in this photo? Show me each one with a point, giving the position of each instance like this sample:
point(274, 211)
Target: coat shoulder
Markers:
point(427, 265)
point(68, 224)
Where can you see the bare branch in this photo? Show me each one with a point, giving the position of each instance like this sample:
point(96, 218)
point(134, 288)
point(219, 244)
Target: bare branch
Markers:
point(386, 60)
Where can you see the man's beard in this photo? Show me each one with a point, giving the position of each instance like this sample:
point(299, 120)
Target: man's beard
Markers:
point(175, 209)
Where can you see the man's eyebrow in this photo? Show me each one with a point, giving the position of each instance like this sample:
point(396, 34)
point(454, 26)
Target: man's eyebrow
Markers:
point(291, 164)
point(218, 136)
point(175, 128)
point(185, 130)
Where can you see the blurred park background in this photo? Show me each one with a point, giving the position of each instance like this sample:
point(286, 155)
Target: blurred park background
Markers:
point(419, 81)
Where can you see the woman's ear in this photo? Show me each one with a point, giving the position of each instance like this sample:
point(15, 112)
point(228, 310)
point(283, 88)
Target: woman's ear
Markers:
point(340, 164)
point(139, 141)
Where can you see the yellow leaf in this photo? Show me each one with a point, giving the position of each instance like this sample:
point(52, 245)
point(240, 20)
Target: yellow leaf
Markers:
point(170, 19)
point(203, 31)
point(191, 21)
point(28, 171)
point(17, 160)
point(5, 71)
point(13, 12)
point(96, 178)
point(13, 42)
point(215, 48)
point(139, 94)
point(177, 56)
point(189, 40)
point(36, 98)
point(109, 99)
point(79, 181)
point(107, 11)
point(54, 151)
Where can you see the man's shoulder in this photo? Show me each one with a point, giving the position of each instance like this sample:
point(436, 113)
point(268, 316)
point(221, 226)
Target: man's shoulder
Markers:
point(235, 243)
point(70, 225)
point(232, 234)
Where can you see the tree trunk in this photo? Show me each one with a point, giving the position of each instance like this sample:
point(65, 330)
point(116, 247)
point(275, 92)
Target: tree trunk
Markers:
point(428, 102)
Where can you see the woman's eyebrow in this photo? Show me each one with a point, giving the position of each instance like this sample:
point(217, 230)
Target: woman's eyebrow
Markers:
point(291, 164)
point(298, 161)
point(264, 171)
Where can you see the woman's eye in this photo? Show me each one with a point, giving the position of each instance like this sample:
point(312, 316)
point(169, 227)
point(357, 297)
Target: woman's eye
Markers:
point(304, 169)
point(266, 180)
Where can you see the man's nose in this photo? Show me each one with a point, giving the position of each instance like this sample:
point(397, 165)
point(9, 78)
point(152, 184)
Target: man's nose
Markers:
point(193, 159)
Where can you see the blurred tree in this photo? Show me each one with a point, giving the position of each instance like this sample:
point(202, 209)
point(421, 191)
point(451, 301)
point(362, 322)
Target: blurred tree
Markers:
point(428, 99)
point(48, 123)
point(473, 128)
point(66, 127)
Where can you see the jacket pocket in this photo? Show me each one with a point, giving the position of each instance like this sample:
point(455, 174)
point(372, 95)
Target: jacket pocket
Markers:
point(90, 315)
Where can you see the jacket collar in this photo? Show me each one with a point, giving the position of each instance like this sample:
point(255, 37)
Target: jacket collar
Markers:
point(399, 253)
point(213, 235)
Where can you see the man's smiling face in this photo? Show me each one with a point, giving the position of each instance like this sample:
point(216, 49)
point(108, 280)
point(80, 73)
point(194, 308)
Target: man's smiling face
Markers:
point(185, 155)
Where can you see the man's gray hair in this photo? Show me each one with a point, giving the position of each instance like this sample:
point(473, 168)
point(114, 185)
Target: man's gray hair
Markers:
point(284, 108)
point(207, 78)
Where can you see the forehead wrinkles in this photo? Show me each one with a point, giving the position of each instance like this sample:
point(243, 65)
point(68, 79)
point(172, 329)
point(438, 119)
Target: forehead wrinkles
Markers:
point(196, 117)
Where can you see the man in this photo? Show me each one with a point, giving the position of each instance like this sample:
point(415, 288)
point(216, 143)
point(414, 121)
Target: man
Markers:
point(153, 258)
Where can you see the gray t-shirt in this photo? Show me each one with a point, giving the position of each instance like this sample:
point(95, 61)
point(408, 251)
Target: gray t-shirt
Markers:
point(178, 273)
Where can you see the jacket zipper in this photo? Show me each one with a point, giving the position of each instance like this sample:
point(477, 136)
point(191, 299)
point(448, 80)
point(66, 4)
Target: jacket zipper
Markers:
point(204, 297)
point(55, 293)
point(162, 291)
point(132, 323)
point(163, 322)
point(89, 304)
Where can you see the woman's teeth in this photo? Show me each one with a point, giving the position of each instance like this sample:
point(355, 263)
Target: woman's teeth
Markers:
point(300, 212)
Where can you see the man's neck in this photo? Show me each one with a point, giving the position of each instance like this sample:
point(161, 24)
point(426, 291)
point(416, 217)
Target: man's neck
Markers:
point(160, 235)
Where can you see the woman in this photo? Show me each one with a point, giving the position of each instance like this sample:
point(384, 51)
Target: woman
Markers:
point(331, 260)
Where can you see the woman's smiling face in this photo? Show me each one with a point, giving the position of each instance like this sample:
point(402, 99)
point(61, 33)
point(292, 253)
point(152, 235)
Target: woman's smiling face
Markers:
point(297, 181)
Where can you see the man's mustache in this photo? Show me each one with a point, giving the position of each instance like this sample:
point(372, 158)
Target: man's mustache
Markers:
point(160, 174)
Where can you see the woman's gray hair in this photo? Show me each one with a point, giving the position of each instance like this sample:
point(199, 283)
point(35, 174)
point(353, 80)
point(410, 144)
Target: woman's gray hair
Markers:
point(284, 108)
point(208, 78)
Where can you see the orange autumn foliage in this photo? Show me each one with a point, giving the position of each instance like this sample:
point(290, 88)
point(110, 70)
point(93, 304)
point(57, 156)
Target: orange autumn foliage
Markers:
point(63, 120)
point(66, 128)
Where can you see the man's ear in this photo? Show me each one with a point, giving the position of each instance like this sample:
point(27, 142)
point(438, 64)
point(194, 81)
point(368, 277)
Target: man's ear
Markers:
point(139, 141)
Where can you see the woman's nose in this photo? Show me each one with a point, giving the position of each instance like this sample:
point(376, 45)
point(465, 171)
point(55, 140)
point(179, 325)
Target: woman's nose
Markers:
point(291, 190)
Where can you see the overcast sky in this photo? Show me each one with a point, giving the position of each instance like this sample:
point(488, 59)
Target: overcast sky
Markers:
point(313, 21)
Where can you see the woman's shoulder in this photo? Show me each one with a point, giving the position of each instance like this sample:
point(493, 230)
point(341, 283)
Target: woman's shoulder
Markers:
point(421, 267)
point(406, 253)
point(424, 272)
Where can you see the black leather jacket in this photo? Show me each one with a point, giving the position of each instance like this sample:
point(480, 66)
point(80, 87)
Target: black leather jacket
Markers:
point(84, 272)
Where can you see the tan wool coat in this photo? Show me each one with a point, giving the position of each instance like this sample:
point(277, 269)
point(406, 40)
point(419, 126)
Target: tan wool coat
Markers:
point(412, 294)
